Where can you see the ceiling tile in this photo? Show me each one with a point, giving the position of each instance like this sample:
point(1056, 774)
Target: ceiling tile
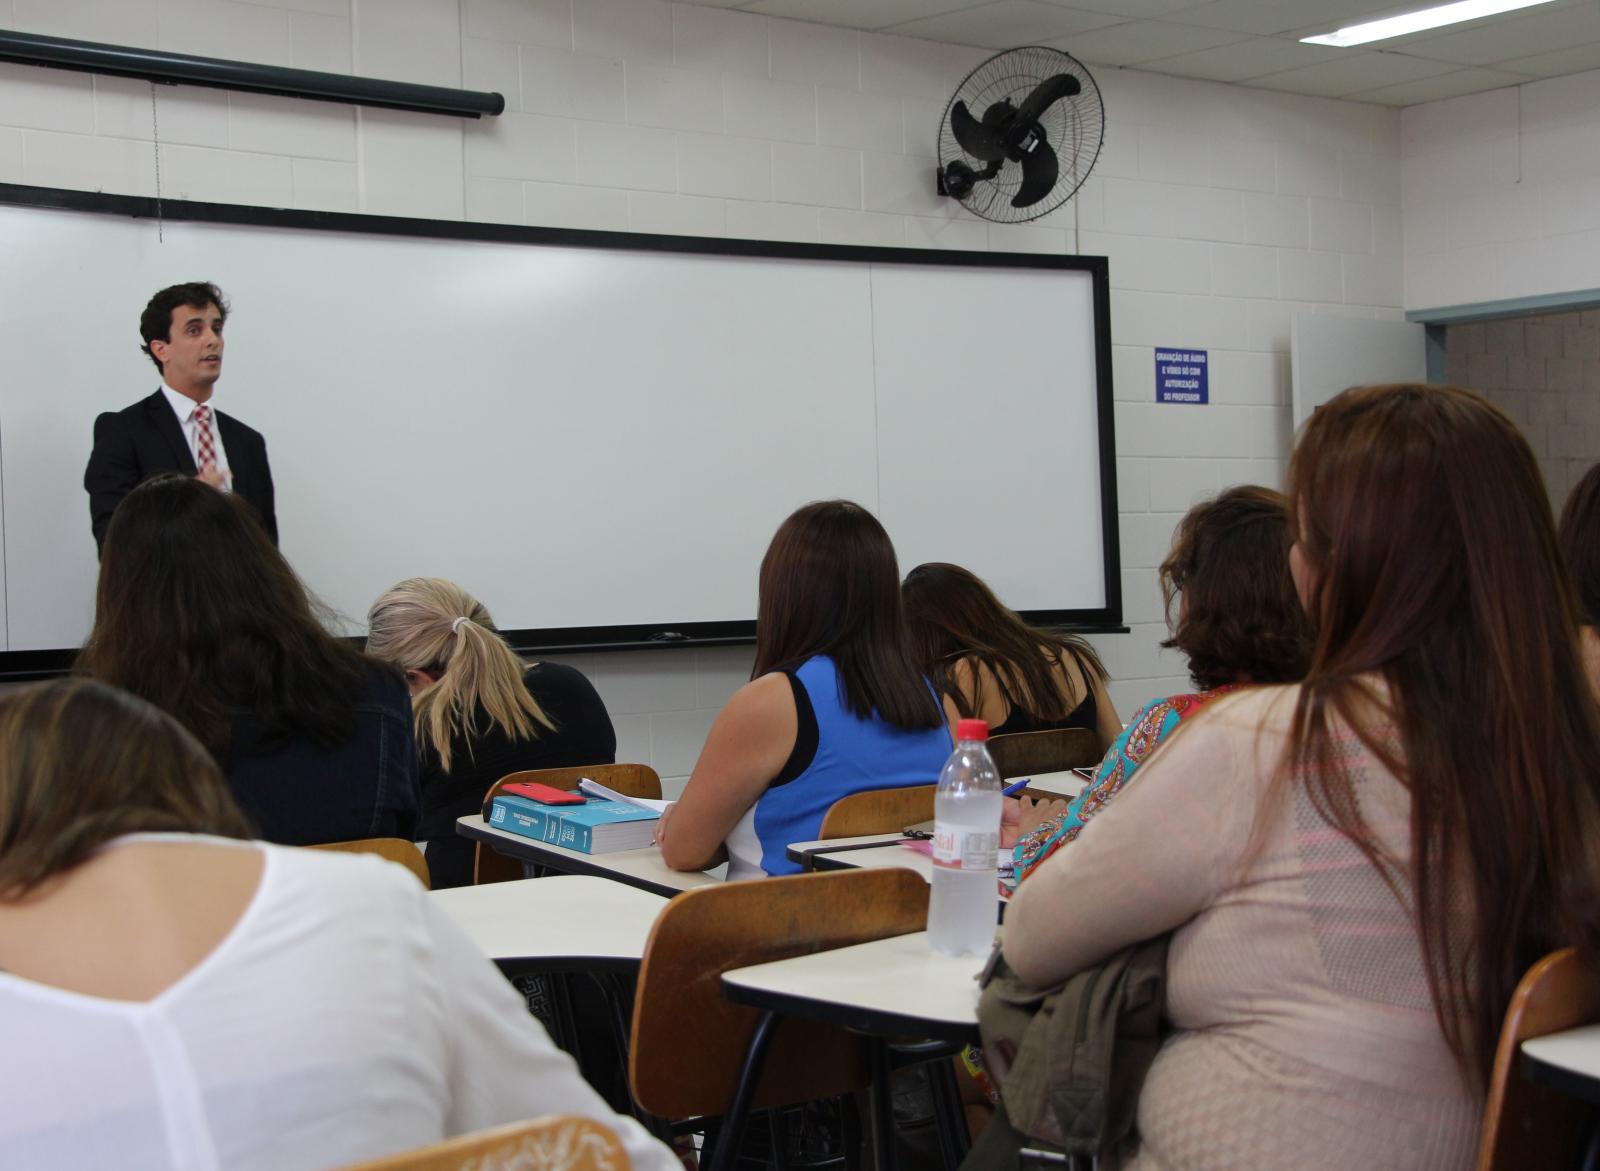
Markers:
point(1266, 17)
point(1433, 89)
point(1139, 41)
point(855, 14)
point(1128, 9)
point(1245, 59)
point(1005, 23)
point(1577, 59)
point(1355, 72)
point(1521, 36)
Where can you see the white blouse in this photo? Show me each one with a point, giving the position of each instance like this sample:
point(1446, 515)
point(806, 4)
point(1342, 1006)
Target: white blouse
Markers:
point(341, 1019)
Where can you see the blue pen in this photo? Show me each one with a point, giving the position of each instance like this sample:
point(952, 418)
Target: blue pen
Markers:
point(1016, 787)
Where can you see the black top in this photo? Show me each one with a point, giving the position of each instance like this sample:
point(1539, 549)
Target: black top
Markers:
point(1085, 715)
point(582, 735)
point(135, 443)
point(298, 793)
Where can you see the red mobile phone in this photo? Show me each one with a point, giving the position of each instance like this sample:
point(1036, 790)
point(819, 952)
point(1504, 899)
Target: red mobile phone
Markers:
point(543, 794)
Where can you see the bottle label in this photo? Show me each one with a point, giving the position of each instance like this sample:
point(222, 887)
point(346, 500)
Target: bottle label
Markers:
point(965, 849)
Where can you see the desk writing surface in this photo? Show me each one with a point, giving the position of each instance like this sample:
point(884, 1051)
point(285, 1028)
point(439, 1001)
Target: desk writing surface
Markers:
point(1067, 783)
point(557, 917)
point(895, 985)
point(642, 868)
point(879, 850)
point(1568, 1061)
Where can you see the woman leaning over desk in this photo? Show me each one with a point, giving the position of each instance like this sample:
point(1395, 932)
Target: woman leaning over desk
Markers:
point(835, 704)
point(481, 713)
point(1357, 870)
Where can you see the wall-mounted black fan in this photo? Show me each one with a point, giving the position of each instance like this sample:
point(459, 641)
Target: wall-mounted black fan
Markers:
point(1020, 134)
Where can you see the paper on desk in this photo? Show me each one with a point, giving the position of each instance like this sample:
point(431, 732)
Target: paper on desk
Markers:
point(595, 789)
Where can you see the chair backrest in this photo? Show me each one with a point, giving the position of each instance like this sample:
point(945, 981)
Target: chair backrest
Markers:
point(688, 1042)
point(883, 811)
point(559, 1142)
point(394, 849)
point(631, 780)
point(1527, 1125)
point(1019, 754)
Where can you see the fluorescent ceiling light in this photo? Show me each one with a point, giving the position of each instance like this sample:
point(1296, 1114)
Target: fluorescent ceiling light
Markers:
point(1416, 22)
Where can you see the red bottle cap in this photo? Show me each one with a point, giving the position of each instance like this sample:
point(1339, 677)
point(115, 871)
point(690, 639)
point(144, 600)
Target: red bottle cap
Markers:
point(972, 730)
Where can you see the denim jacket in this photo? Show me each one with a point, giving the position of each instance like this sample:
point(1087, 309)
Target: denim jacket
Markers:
point(298, 793)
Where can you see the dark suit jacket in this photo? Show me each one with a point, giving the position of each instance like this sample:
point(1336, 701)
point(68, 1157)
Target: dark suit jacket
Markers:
point(135, 443)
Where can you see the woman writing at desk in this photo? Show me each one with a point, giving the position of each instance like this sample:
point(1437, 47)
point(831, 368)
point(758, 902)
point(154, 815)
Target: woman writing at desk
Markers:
point(835, 704)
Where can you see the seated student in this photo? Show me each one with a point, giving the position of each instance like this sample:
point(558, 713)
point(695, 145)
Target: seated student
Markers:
point(172, 996)
point(835, 704)
point(199, 613)
point(991, 665)
point(480, 713)
point(1238, 621)
point(1580, 542)
point(1357, 870)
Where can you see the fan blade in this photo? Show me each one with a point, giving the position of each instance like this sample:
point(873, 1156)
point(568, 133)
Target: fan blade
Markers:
point(1039, 170)
point(975, 138)
point(1062, 85)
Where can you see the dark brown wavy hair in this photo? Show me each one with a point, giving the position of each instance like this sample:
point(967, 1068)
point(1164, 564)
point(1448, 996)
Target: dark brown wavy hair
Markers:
point(1240, 620)
point(82, 763)
point(830, 586)
point(952, 615)
point(198, 613)
point(1432, 565)
point(1580, 541)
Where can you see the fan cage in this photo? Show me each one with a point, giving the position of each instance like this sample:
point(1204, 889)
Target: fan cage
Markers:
point(1074, 128)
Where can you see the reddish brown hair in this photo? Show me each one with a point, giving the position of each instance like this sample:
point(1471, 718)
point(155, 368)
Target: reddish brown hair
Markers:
point(1240, 621)
point(82, 763)
point(830, 586)
point(1580, 541)
point(1433, 566)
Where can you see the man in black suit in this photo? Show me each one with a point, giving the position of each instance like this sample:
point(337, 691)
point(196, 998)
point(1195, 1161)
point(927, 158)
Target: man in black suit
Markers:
point(175, 429)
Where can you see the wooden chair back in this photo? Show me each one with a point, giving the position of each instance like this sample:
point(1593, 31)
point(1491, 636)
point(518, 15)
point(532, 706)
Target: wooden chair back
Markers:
point(688, 1042)
point(631, 780)
point(1021, 754)
point(559, 1142)
point(1527, 1125)
point(883, 811)
point(394, 849)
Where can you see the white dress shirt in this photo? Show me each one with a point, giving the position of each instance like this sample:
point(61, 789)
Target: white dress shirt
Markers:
point(344, 1017)
point(183, 406)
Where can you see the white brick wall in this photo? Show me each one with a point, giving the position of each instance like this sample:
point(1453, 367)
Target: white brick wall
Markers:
point(1502, 193)
point(1223, 210)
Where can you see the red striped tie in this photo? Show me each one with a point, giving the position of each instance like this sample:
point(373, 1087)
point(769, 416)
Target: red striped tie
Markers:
point(205, 449)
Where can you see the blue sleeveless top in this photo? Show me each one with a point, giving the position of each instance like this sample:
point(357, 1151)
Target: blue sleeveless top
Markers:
point(853, 755)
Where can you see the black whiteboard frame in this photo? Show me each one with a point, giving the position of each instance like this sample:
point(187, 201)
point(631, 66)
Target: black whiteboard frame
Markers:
point(17, 665)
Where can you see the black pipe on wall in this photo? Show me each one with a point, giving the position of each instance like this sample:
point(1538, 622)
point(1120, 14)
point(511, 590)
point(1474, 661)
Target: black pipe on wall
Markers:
point(183, 69)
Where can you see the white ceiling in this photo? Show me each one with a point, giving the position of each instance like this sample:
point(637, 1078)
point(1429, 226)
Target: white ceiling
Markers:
point(1250, 42)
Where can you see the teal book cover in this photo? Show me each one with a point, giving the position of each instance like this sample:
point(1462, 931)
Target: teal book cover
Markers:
point(594, 827)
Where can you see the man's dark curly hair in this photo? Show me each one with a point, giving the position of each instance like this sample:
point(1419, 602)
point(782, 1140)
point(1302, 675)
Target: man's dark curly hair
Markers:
point(1240, 620)
point(155, 323)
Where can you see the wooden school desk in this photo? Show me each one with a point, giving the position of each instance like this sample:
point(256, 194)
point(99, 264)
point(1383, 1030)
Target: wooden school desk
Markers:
point(641, 868)
point(559, 923)
point(894, 987)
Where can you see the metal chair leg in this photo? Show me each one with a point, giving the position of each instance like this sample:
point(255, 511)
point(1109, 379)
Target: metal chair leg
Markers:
point(883, 1153)
point(949, 1117)
point(731, 1132)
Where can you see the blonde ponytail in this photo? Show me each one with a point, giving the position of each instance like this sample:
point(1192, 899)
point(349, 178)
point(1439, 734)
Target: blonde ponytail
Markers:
point(429, 624)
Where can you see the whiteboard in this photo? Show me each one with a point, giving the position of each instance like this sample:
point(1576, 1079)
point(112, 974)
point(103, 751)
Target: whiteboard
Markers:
point(595, 434)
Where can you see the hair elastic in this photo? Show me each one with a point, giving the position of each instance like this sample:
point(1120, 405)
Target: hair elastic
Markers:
point(455, 626)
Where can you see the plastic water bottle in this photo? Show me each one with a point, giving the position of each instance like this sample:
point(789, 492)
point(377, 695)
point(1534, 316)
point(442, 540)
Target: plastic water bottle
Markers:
point(966, 838)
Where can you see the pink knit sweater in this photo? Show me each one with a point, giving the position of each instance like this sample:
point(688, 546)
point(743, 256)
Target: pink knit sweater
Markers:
point(1305, 1034)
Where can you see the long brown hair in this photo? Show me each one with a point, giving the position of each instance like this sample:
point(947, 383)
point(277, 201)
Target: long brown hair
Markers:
point(1432, 565)
point(1240, 621)
point(952, 615)
point(433, 625)
point(830, 586)
point(198, 613)
point(82, 763)
point(1580, 541)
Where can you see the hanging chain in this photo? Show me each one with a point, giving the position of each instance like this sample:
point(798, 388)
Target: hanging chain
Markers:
point(155, 138)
